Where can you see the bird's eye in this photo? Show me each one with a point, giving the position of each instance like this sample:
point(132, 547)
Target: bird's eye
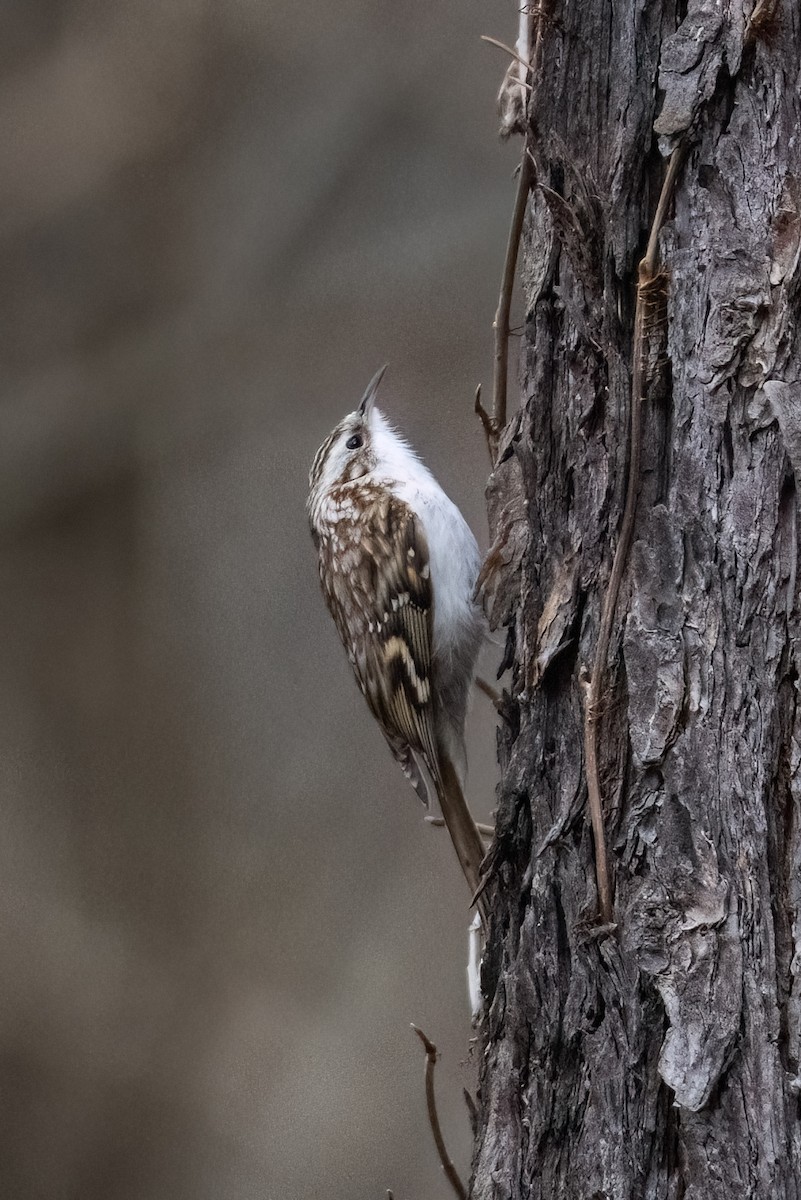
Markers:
point(353, 443)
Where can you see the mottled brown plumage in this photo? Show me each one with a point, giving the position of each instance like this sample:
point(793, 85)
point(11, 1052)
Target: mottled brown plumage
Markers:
point(398, 566)
point(376, 579)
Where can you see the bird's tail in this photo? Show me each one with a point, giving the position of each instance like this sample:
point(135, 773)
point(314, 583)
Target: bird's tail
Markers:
point(463, 830)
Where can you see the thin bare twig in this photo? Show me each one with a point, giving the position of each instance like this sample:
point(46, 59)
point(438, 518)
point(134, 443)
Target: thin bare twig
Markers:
point(502, 46)
point(495, 424)
point(489, 691)
point(486, 831)
point(433, 1118)
point(647, 276)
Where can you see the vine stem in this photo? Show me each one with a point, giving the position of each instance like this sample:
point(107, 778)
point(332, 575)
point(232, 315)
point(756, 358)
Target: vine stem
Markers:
point(647, 276)
point(495, 422)
point(501, 323)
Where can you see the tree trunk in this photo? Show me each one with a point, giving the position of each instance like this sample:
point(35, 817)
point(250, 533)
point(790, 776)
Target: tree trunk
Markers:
point(659, 1057)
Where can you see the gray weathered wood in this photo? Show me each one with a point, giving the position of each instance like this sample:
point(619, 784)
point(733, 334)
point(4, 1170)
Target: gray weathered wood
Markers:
point(660, 1060)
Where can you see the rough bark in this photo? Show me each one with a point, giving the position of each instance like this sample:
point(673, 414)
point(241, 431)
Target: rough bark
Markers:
point(661, 1058)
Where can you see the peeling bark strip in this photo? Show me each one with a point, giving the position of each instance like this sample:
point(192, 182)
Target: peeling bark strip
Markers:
point(662, 1062)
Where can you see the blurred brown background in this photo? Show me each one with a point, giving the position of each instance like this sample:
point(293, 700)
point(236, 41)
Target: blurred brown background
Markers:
point(221, 908)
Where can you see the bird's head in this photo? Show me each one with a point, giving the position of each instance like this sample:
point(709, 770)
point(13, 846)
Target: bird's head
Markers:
point(364, 448)
point(351, 449)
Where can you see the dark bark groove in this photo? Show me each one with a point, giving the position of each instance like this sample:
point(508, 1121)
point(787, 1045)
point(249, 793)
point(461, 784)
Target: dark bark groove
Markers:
point(661, 1060)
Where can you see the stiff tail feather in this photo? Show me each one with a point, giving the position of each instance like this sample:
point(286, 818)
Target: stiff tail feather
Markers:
point(463, 830)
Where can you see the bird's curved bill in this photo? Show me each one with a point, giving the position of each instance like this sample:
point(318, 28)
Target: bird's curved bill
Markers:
point(368, 399)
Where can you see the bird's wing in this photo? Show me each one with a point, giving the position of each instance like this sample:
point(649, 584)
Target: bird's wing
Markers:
point(377, 583)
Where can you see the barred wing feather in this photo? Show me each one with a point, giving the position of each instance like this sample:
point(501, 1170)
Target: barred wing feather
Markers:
point(382, 602)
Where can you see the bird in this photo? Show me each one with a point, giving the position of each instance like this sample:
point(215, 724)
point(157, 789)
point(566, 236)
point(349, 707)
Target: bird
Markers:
point(398, 565)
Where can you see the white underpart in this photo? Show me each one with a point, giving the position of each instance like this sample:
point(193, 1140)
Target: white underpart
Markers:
point(474, 956)
point(452, 549)
point(454, 559)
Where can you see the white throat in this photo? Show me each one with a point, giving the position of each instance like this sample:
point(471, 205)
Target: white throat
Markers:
point(396, 461)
